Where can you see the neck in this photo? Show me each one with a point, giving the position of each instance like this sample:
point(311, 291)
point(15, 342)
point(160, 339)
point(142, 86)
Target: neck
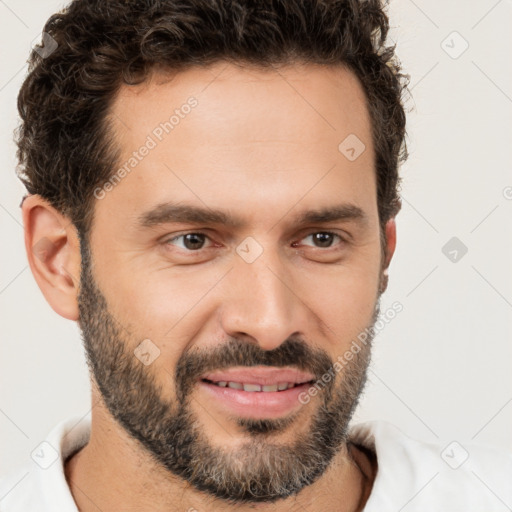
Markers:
point(112, 472)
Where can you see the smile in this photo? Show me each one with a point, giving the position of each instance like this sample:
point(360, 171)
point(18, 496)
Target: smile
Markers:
point(281, 386)
point(256, 392)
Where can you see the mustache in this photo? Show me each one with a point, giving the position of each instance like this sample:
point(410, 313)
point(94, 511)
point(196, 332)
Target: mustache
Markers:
point(293, 352)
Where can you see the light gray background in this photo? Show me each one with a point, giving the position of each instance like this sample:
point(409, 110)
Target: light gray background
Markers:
point(441, 368)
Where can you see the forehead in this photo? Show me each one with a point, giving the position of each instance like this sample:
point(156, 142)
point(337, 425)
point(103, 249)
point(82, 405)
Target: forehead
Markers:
point(255, 138)
point(266, 102)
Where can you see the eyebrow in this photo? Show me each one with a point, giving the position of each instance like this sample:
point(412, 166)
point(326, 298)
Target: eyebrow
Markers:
point(166, 213)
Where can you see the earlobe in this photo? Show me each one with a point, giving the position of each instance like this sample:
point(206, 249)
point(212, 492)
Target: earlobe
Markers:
point(53, 252)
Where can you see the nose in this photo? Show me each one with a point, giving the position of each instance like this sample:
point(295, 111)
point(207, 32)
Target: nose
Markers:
point(262, 301)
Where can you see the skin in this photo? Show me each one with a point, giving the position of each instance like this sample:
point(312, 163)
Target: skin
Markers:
point(261, 145)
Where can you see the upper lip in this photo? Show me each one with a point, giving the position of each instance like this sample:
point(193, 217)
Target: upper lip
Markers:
point(262, 375)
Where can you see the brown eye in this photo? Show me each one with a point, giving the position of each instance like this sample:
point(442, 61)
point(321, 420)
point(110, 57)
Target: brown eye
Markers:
point(191, 241)
point(323, 239)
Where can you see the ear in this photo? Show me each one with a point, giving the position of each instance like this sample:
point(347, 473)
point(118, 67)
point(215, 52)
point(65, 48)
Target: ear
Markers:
point(53, 251)
point(390, 242)
point(389, 250)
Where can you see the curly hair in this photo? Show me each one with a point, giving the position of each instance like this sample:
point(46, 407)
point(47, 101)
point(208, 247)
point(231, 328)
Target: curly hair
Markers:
point(93, 47)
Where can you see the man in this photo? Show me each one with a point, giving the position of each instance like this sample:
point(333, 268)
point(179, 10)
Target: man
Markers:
point(212, 193)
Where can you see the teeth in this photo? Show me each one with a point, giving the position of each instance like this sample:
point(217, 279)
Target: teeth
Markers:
point(269, 388)
point(252, 387)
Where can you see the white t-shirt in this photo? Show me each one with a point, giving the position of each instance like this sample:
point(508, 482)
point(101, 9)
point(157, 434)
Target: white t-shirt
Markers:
point(411, 476)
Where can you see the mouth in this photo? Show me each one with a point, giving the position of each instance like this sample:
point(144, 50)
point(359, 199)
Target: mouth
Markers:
point(257, 392)
point(249, 387)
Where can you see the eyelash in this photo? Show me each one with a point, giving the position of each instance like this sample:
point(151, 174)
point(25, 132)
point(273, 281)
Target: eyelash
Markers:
point(167, 242)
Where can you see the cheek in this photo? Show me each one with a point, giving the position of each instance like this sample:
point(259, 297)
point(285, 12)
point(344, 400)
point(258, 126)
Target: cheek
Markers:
point(164, 305)
point(343, 301)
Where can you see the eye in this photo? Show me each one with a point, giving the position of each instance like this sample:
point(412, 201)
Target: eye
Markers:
point(195, 241)
point(323, 239)
point(191, 241)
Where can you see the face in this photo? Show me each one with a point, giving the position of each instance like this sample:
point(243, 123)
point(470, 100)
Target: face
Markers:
point(233, 263)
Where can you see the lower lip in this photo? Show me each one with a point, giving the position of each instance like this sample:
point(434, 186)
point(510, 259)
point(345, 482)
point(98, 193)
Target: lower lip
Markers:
point(257, 404)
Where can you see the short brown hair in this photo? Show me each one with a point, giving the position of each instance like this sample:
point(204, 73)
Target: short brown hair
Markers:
point(65, 149)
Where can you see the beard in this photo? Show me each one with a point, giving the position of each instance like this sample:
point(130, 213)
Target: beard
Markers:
point(258, 470)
